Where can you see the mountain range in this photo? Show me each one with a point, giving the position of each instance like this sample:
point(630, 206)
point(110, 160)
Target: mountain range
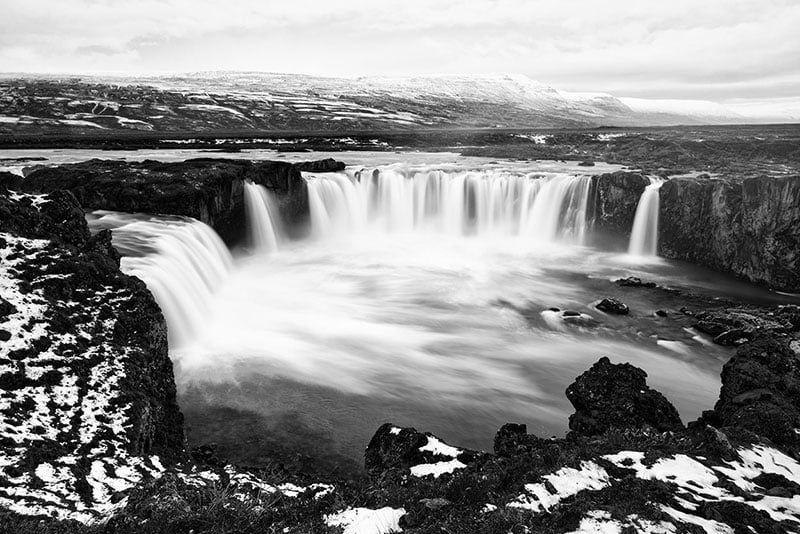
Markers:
point(247, 101)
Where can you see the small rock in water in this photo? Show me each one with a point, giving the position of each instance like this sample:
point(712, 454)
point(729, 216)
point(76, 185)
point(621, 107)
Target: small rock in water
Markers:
point(633, 281)
point(586, 163)
point(554, 309)
point(569, 313)
point(661, 313)
point(613, 306)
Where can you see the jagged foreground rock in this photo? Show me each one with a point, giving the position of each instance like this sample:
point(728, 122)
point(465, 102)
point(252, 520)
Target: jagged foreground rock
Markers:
point(87, 394)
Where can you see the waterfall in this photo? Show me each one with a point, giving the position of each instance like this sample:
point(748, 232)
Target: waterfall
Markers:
point(644, 236)
point(540, 206)
point(182, 261)
point(262, 221)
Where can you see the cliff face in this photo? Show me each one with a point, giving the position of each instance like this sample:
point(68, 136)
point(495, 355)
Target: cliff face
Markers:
point(750, 227)
point(87, 392)
point(615, 197)
point(746, 227)
point(209, 190)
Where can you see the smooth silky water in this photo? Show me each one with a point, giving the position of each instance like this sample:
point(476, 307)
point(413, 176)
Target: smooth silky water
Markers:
point(420, 297)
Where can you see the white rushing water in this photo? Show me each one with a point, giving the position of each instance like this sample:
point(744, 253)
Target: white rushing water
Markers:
point(395, 199)
point(644, 235)
point(423, 297)
point(182, 261)
point(264, 226)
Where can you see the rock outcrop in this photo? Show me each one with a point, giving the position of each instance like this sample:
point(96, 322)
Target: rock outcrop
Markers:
point(423, 454)
point(747, 227)
point(761, 391)
point(617, 396)
point(615, 197)
point(209, 190)
point(87, 392)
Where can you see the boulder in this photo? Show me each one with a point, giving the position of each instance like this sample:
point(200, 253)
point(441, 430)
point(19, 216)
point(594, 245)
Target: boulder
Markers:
point(634, 281)
point(613, 306)
point(10, 181)
point(394, 447)
point(617, 396)
point(513, 438)
point(734, 326)
point(761, 391)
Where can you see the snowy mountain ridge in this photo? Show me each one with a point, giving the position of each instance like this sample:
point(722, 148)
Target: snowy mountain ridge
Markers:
point(235, 101)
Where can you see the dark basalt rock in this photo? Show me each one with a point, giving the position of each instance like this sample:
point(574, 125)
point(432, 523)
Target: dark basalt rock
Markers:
point(613, 306)
point(735, 326)
point(10, 181)
point(399, 448)
point(6, 308)
point(513, 438)
point(323, 165)
point(634, 281)
point(617, 396)
point(210, 190)
point(616, 196)
point(777, 485)
point(761, 391)
point(747, 227)
point(387, 449)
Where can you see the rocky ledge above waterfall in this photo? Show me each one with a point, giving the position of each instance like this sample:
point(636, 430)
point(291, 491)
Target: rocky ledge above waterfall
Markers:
point(749, 227)
point(210, 190)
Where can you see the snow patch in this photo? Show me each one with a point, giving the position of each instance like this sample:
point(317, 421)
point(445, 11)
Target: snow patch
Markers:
point(367, 521)
point(437, 469)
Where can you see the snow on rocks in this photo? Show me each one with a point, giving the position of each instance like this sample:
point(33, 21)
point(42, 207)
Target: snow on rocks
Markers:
point(246, 486)
point(564, 483)
point(367, 521)
point(74, 435)
point(601, 522)
point(423, 455)
point(698, 482)
point(436, 469)
point(436, 446)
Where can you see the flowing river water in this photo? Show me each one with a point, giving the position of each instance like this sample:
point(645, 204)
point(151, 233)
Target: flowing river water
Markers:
point(430, 292)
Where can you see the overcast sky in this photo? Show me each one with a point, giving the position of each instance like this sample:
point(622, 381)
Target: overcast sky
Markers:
point(723, 50)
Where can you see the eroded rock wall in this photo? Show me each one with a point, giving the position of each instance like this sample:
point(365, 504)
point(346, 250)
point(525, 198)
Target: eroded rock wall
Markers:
point(749, 228)
point(614, 197)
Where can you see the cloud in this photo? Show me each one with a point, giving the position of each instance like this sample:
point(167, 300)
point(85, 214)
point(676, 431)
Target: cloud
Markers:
point(681, 48)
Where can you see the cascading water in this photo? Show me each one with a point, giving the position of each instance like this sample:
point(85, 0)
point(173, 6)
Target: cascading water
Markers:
point(544, 207)
point(263, 225)
point(435, 313)
point(182, 261)
point(644, 236)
